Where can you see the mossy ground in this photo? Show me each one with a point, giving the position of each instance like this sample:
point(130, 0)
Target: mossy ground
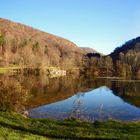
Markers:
point(17, 127)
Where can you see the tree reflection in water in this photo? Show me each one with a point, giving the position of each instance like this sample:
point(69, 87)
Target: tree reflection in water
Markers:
point(19, 92)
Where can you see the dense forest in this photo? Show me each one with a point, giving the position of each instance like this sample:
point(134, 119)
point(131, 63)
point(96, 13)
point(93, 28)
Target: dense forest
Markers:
point(25, 46)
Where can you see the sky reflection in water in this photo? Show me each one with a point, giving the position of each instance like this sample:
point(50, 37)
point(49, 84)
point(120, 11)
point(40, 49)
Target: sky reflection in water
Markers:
point(97, 104)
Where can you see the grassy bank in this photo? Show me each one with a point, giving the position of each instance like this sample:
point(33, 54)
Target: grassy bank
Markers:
point(17, 127)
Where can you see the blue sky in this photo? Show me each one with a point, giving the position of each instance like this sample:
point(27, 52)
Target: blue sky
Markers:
point(100, 24)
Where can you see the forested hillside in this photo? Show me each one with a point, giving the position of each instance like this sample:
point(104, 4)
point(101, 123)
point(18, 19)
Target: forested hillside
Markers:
point(124, 61)
point(25, 46)
point(126, 58)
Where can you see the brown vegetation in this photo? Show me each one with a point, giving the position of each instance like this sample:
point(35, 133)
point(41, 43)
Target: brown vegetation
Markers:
point(25, 46)
point(12, 95)
point(123, 62)
point(127, 59)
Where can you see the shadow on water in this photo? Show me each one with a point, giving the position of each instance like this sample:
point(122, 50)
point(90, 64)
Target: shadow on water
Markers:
point(20, 92)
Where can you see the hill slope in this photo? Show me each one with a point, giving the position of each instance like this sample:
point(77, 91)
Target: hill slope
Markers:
point(23, 45)
point(130, 47)
point(124, 61)
point(127, 58)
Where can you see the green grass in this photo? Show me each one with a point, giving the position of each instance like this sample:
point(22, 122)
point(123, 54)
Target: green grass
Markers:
point(16, 127)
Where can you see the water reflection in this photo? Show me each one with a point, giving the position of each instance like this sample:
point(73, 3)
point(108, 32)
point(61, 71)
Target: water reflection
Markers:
point(128, 91)
point(59, 98)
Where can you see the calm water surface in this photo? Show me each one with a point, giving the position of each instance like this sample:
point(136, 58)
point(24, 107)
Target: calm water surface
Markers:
point(85, 98)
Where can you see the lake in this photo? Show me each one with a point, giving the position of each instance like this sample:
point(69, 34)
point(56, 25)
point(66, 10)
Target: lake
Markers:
point(71, 97)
